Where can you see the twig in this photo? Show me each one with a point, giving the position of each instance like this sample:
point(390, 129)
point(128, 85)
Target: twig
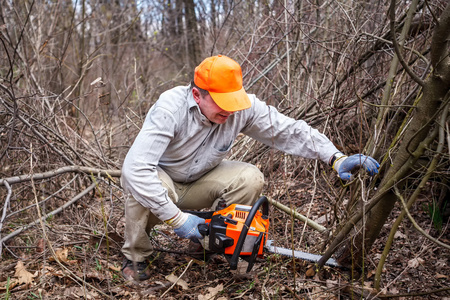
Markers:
point(361, 292)
point(171, 287)
point(41, 137)
point(412, 295)
point(14, 113)
point(397, 192)
point(298, 216)
point(404, 47)
point(5, 208)
point(292, 292)
point(152, 290)
point(310, 205)
point(448, 137)
point(397, 49)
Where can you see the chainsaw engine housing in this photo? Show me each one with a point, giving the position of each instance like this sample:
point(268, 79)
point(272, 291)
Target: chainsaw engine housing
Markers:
point(226, 226)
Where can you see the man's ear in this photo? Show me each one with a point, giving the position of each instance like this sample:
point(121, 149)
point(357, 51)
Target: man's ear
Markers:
point(196, 94)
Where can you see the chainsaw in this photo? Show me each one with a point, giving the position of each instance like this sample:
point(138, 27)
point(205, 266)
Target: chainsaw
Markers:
point(241, 231)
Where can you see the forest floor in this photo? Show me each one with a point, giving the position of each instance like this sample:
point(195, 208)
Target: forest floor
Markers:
point(88, 264)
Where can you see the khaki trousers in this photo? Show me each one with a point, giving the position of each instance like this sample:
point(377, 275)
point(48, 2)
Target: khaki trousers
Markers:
point(232, 181)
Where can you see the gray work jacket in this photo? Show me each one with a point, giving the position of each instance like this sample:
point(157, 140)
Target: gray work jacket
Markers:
point(185, 144)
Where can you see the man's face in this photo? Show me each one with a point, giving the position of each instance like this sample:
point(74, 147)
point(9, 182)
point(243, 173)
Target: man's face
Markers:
point(209, 108)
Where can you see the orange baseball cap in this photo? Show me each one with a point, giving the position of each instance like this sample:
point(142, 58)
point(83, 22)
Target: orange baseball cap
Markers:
point(222, 78)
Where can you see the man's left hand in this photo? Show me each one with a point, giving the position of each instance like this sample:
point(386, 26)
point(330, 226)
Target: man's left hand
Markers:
point(345, 165)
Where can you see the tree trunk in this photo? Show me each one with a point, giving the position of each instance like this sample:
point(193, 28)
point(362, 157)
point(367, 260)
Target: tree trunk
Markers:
point(193, 39)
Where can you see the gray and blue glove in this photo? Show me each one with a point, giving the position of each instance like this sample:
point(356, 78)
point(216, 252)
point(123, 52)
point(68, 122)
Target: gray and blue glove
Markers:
point(345, 165)
point(186, 226)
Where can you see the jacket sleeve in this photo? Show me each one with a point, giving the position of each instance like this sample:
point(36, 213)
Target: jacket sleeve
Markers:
point(139, 174)
point(291, 136)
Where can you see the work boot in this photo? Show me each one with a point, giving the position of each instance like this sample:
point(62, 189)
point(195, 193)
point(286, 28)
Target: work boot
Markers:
point(135, 270)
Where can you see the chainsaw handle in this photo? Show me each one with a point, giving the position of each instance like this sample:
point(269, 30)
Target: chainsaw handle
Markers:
point(265, 205)
point(203, 229)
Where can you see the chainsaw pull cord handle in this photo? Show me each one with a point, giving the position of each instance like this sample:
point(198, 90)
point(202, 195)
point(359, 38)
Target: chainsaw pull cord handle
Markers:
point(261, 201)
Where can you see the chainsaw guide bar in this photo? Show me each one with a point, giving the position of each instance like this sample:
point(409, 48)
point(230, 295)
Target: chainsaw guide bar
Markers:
point(299, 254)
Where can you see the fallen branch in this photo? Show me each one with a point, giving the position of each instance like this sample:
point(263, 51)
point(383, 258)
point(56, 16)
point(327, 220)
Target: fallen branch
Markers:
point(76, 169)
point(43, 201)
point(298, 216)
point(52, 213)
point(5, 208)
point(176, 281)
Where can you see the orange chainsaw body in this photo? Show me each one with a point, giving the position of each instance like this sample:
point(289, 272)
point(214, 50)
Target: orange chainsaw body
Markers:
point(227, 224)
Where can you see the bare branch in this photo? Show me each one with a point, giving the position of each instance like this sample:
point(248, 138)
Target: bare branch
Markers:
point(52, 213)
point(5, 208)
point(397, 192)
point(41, 137)
point(76, 169)
point(397, 49)
point(298, 216)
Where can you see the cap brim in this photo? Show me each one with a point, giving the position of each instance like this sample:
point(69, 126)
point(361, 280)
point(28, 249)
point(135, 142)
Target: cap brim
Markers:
point(233, 101)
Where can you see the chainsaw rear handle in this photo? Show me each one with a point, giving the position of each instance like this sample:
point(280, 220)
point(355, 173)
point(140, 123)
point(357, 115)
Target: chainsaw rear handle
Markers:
point(203, 228)
point(265, 206)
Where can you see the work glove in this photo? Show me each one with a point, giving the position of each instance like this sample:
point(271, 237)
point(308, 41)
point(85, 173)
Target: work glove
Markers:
point(345, 165)
point(185, 225)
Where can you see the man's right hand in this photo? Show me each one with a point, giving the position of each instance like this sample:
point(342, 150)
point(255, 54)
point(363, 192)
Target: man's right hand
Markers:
point(186, 226)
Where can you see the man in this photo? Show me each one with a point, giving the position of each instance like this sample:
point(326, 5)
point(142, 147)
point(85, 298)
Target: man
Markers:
point(177, 160)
